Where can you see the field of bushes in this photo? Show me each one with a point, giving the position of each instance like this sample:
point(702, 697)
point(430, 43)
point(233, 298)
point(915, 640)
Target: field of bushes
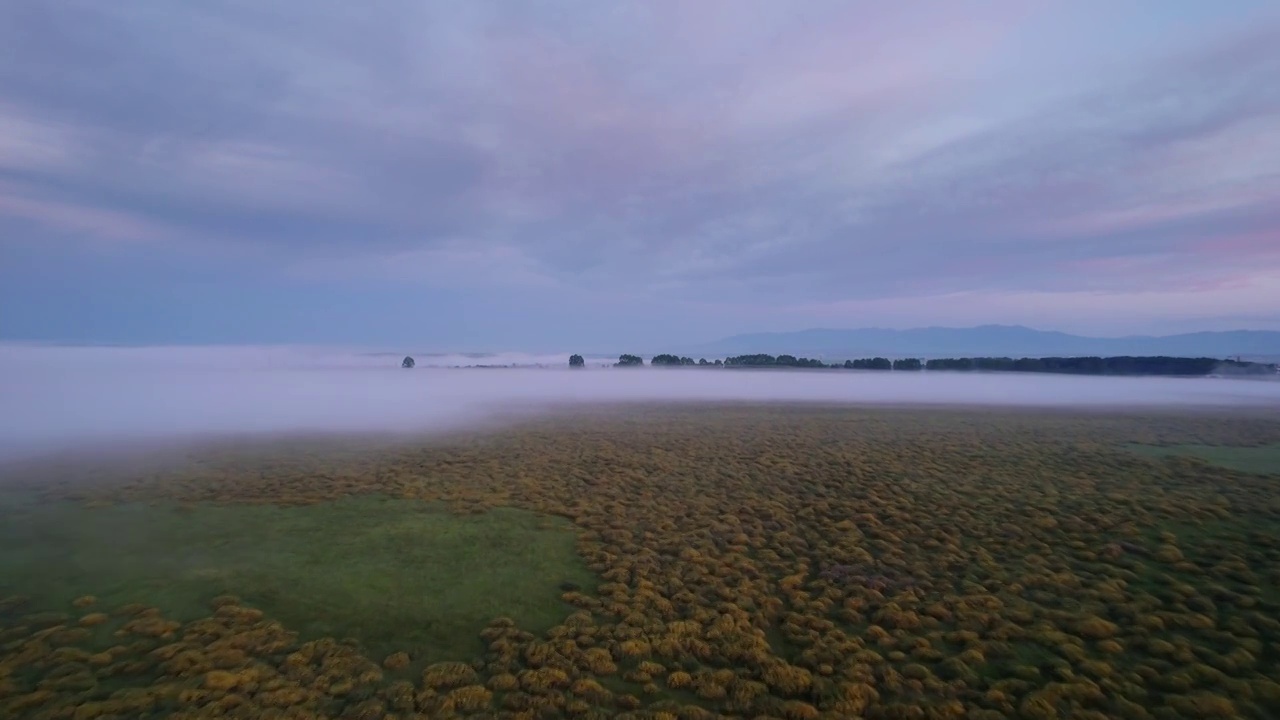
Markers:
point(664, 562)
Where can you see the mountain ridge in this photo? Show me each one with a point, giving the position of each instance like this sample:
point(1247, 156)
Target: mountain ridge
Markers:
point(993, 341)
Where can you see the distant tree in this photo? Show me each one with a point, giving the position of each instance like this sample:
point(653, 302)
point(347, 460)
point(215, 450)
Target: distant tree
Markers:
point(626, 360)
point(408, 362)
point(757, 360)
point(1123, 365)
point(576, 361)
point(876, 363)
point(950, 364)
point(763, 360)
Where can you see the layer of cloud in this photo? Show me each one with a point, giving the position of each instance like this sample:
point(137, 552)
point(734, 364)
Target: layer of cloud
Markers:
point(60, 399)
point(823, 156)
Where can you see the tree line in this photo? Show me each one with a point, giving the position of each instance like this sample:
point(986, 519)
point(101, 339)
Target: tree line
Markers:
point(1091, 365)
point(1119, 365)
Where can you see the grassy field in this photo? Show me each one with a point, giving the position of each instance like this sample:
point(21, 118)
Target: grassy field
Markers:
point(1264, 460)
point(394, 574)
point(691, 562)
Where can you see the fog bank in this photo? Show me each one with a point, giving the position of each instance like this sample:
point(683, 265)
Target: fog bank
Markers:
point(54, 398)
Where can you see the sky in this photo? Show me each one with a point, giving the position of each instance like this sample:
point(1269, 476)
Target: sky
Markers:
point(548, 175)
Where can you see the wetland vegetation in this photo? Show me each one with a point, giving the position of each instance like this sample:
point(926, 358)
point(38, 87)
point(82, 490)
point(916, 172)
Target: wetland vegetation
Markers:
point(397, 574)
point(661, 561)
point(1261, 459)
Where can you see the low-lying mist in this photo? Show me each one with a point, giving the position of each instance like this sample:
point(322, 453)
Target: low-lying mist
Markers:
point(54, 399)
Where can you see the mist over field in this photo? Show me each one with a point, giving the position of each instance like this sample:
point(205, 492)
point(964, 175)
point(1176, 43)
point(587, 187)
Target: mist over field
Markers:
point(57, 398)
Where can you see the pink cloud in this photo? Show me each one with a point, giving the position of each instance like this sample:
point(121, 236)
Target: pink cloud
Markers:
point(454, 263)
point(30, 144)
point(1100, 221)
point(260, 174)
point(562, 97)
point(872, 53)
point(1094, 312)
point(1199, 266)
point(1261, 243)
point(86, 221)
point(711, 93)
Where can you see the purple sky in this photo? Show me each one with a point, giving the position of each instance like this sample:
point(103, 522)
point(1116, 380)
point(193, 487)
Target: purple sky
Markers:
point(481, 175)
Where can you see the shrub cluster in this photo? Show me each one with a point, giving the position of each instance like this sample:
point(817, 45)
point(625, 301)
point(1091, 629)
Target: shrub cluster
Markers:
point(756, 562)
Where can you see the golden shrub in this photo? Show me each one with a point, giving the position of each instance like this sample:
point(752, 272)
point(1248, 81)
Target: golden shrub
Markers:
point(448, 674)
point(396, 660)
point(469, 698)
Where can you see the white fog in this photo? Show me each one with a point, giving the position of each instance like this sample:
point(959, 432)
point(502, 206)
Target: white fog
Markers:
point(56, 398)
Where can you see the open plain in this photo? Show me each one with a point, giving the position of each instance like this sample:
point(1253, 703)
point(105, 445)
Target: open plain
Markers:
point(661, 561)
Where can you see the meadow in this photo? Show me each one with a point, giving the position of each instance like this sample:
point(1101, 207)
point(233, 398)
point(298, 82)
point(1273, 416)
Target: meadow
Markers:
point(662, 561)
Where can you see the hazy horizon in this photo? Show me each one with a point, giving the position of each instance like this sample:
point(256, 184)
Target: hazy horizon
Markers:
point(65, 398)
point(425, 347)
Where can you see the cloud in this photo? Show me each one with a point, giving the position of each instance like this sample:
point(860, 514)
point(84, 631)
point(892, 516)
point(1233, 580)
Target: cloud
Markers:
point(29, 145)
point(452, 264)
point(1230, 302)
point(740, 152)
point(53, 216)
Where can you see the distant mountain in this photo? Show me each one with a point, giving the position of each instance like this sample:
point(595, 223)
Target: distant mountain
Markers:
point(992, 340)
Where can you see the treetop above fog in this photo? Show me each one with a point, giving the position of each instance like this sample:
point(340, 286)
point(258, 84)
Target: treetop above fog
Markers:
point(1119, 365)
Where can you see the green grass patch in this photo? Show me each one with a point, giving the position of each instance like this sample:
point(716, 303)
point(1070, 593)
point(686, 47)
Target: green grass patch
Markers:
point(1262, 460)
point(393, 574)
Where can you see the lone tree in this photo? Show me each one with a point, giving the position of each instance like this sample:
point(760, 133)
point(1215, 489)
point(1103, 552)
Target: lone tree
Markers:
point(576, 361)
point(408, 362)
point(629, 361)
